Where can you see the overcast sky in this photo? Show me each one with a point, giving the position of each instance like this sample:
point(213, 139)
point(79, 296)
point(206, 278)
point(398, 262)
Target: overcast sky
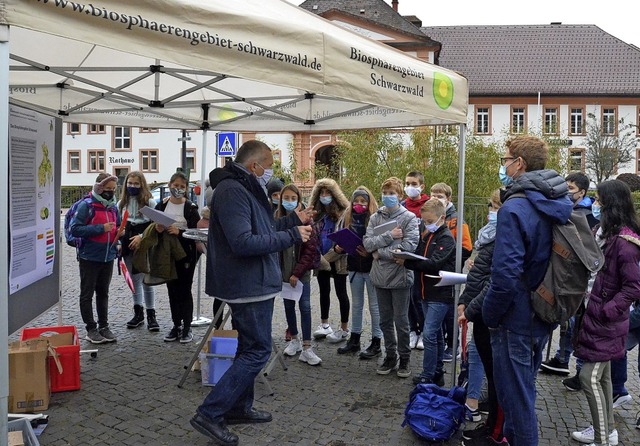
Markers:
point(617, 17)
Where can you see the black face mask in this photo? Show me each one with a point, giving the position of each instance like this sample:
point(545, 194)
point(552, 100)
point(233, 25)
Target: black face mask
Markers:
point(107, 195)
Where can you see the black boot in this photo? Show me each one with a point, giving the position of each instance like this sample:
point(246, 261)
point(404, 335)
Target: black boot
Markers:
point(138, 317)
point(152, 323)
point(352, 346)
point(373, 350)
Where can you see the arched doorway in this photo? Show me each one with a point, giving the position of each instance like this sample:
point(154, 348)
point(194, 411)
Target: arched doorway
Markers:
point(325, 158)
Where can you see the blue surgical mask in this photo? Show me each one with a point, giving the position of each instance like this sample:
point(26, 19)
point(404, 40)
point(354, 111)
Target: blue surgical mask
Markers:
point(595, 211)
point(289, 205)
point(493, 217)
point(505, 179)
point(274, 201)
point(390, 201)
point(433, 227)
point(265, 177)
point(326, 200)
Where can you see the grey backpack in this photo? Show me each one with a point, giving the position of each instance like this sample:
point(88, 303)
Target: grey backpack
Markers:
point(575, 255)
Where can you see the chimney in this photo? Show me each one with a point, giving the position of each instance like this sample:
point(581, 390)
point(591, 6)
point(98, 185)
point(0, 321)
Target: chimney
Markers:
point(394, 3)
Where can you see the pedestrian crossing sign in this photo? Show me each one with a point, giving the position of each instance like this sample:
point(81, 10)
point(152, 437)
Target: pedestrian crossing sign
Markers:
point(227, 144)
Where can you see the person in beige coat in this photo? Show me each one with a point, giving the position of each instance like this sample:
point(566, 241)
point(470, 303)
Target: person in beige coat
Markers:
point(330, 203)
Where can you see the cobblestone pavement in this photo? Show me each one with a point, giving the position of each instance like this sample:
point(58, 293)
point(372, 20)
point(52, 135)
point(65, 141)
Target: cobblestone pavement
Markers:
point(129, 393)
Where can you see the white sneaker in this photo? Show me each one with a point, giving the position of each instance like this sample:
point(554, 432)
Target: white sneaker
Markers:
point(293, 347)
point(309, 357)
point(588, 436)
point(322, 331)
point(413, 338)
point(618, 400)
point(338, 336)
point(420, 344)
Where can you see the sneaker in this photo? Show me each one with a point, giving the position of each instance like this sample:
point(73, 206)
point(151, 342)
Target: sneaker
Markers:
point(287, 335)
point(638, 422)
point(95, 337)
point(310, 357)
point(572, 384)
point(322, 331)
point(478, 432)
point(107, 335)
point(447, 357)
point(404, 369)
point(419, 379)
point(173, 335)
point(338, 336)
point(619, 400)
point(485, 441)
point(420, 344)
point(483, 407)
point(186, 337)
point(388, 365)
point(471, 414)
point(413, 339)
point(293, 347)
point(588, 436)
point(555, 367)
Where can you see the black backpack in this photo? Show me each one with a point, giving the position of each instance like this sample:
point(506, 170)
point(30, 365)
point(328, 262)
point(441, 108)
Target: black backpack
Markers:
point(575, 255)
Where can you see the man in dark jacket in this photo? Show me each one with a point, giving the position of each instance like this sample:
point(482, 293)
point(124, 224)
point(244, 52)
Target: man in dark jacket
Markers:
point(243, 270)
point(521, 255)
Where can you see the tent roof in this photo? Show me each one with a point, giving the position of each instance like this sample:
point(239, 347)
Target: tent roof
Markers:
point(255, 65)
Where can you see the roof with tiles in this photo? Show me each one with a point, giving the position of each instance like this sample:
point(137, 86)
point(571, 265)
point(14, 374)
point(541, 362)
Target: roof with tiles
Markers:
point(374, 11)
point(551, 59)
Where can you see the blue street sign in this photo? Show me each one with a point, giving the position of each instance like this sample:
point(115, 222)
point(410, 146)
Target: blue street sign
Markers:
point(227, 144)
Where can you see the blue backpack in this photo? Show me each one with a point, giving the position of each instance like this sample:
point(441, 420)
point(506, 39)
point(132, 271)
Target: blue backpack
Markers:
point(433, 413)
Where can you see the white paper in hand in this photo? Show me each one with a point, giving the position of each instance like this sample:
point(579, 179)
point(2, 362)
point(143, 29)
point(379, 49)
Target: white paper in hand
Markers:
point(157, 216)
point(291, 293)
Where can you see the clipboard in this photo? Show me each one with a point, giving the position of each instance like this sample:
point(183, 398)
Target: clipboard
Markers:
point(386, 227)
point(157, 216)
point(347, 240)
point(407, 255)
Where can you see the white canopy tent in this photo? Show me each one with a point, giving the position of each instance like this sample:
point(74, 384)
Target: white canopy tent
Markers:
point(251, 65)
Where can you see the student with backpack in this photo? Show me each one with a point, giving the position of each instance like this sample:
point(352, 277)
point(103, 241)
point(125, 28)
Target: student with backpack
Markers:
point(602, 326)
point(94, 227)
point(297, 262)
point(135, 196)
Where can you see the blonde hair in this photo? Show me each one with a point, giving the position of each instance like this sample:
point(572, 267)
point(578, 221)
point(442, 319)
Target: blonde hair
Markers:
point(433, 205)
point(393, 183)
point(442, 188)
point(495, 198)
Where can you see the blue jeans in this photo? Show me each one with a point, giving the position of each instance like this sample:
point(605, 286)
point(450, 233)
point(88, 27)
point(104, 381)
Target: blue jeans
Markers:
point(140, 288)
point(357, 282)
point(434, 314)
point(619, 375)
point(476, 372)
point(563, 354)
point(305, 313)
point(516, 360)
point(234, 392)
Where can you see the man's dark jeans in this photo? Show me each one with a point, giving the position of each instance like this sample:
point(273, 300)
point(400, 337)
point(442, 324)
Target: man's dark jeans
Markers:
point(234, 392)
point(95, 277)
point(516, 360)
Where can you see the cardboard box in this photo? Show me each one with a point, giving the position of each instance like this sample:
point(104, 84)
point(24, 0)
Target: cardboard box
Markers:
point(66, 344)
point(29, 387)
point(15, 439)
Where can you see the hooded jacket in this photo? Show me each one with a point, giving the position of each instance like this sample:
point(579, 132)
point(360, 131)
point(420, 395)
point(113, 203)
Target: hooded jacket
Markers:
point(97, 245)
point(385, 272)
point(523, 248)
point(244, 239)
point(602, 334)
point(478, 280)
point(585, 206)
point(414, 206)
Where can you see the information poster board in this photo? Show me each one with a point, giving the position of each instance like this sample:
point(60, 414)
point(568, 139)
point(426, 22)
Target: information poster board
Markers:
point(31, 195)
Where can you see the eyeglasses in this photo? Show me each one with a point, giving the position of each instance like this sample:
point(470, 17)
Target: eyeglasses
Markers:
point(503, 160)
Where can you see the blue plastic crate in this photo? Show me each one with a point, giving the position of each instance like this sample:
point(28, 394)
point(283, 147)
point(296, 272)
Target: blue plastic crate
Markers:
point(223, 346)
point(23, 425)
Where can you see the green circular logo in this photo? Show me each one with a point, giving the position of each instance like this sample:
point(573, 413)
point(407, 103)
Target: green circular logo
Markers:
point(442, 90)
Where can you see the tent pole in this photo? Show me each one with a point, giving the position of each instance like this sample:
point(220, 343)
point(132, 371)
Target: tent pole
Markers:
point(461, 166)
point(4, 229)
point(200, 320)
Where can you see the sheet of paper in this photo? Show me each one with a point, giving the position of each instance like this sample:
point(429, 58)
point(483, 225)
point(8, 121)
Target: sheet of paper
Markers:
point(407, 255)
point(291, 293)
point(157, 216)
point(449, 278)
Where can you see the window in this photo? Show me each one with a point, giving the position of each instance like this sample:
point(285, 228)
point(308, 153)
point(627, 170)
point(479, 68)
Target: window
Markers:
point(518, 119)
point(73, 161)
point(97, 160)
point(148, 130)
point(191, 160)
point(149, 160)
point(122, 138)
point(609, 124)
point(277, 156)
point(95, 129)
point(551, 120)
point(482, 120)
point(576, 160)
point(73, 128)
point(576, 126)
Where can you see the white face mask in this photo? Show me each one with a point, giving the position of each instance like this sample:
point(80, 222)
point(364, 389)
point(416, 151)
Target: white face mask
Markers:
point(412, 191)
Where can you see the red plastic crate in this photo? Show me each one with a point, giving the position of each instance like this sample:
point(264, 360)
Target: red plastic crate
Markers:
point(69, 356)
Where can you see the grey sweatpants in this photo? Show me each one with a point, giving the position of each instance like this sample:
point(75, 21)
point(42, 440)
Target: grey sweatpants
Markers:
point(595, 378)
